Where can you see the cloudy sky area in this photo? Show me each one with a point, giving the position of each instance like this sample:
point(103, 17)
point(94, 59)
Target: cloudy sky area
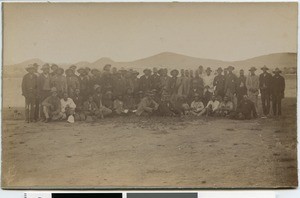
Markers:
point(68, 33)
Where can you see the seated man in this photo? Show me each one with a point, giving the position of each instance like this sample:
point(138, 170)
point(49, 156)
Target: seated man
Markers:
point(78, 100)
point(90, 109)
point(196, 106)
point(147, 106)
point(67, 108)
point(52, 107)
point(182, 105)
point(166, 107)
point(129, 101)
point(246, 109)
point(119, 106)
point(211, 107)
point(98, 100)
point(226, 107)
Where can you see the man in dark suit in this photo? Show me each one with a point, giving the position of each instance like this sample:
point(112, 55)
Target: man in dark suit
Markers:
point(265, 83)
point(146, 81)
point(278, 87)
point(29, 91)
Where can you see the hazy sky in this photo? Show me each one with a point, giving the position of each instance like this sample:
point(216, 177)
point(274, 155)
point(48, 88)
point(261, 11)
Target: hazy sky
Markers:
point(68, 33)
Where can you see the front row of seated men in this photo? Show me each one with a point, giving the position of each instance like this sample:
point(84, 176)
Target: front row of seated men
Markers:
point(98, 107)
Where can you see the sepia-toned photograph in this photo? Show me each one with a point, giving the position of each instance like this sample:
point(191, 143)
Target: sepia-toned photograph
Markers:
point(149, 95)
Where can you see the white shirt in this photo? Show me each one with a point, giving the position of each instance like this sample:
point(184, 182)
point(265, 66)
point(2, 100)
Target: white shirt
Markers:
point(214, 104)
point(209, 81)
point(67, 103)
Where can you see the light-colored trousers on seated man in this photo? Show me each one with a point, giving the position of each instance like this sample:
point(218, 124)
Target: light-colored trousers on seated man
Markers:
point(54, 115)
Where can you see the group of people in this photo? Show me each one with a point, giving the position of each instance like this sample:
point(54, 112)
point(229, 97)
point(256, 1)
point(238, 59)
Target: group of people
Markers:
point(89, 94)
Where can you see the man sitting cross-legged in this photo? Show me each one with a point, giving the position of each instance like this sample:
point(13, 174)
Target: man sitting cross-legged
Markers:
point(196, 106)
point(211, 107)
point(225, 108)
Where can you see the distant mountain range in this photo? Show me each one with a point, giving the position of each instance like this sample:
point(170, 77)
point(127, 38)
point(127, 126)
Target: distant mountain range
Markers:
point(171, 61)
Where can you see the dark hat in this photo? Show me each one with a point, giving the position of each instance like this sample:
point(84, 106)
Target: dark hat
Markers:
point(60, 69)
point(35, 65)
point(230, 67)
point(122, 69)
point(220, 69)
point(107, 66)
point(73, 66)
point(252, 69)
point(54, 65)
point(264, 68)
point(45, 66)
point(147, 70)
point(208, 69)
point(87, 68)
point(95, 70)
point(174, 71)
point(69, 70)
point(160, 71)
point(80, 69)
point(29, 67)
point(135, 72)
point(277, 70)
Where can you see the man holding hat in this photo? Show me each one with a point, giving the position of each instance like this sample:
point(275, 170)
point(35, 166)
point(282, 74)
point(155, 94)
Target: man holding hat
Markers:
point(265, 83)
point(29, 91)
point(219, 83)
point(252, 84)
point(278, 87)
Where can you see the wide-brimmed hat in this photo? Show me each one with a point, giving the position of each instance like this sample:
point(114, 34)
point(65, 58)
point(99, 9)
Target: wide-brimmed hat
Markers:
point(230, 67)
point(122, 69)
point(220, 69)
point(28, 67)
point(95, 70)
point(107, 66)
point(147, 70)
point(73, 66)
point(252, 69)
point(69, 70)
point(81, 69)
point(135, 72)
point(35, 65)
point(53, 89)
point(174, 71)
point(277, 70)
point(45, 66)
point(60, 69)
point(264, 68)
point(54, 65)
point(208, 69)
point(96, 86)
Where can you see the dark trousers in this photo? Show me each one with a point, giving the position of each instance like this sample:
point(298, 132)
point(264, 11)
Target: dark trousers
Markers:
point(42, 96)
point(265, 100)
point(276, 101)
point(30, 105)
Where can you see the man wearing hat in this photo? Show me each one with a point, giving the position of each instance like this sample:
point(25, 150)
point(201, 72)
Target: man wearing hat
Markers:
point(147, 106)
point(265, 83)
point(104, 111)
point(200, 71)
point(225, 108)
point(155, 78)
point(166, 107)
point(84, 82)
point(231, 86)
point(277, 90)
point(59, 81)
point(241, 89)
point(146, 81)
point(208, 80)
point(252, 84)
point(29, 91)
point(54, 67)
point(197, 105)
point(106, 79)
point(164, 79)
point(94, 78)
point(174, 85)
point(73, 67)
point(44, 87)
point(72, 82)
point(219, 83)
point(52, 106)
point(134, 82)
point(37, 110)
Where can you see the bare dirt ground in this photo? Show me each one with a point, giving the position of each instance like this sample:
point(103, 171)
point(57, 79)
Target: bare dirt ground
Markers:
point(156, 152)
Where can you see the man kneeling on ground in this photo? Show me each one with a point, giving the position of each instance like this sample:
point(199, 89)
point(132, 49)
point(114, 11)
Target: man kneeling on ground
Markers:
point(90, 110)
point(211, 107)
point(147, 106)
point(196, 106)
point(67, 108)
point(225, 108)
point(52, 107)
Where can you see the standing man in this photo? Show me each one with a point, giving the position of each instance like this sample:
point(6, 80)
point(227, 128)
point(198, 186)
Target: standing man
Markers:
point(265, 83)
point(29, 91)
point(208, 80)
point(155, 78)
point(252, 84)
point(54, 68)
point(174, 85)
point(59, 81)
point(278, 87)
point(241, 87)
point(83, 82)
point(44, 87)
point(145, 81)
point(37, 102)
point(219, 83)
point(231, 86)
